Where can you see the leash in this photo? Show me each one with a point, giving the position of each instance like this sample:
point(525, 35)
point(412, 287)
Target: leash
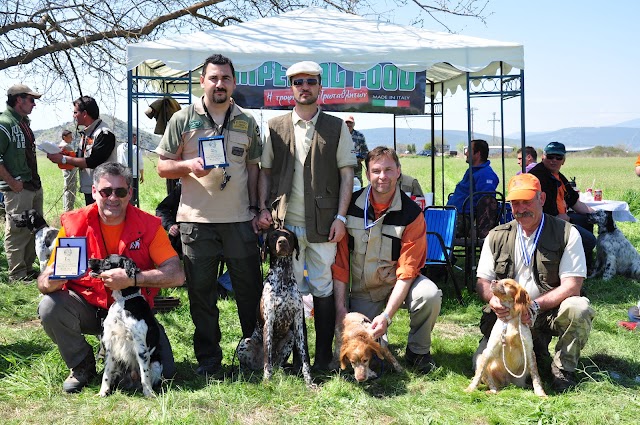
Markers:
point(504, 344)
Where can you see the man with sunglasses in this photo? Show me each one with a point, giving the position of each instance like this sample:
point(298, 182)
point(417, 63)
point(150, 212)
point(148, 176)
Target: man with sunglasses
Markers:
point(19, 179)
point(218, 206)
point(560, 196)
point(73, 308)
point(306, 181)
point(97, 146)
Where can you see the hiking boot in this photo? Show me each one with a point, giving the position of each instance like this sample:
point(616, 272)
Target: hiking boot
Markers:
point(423, 363)
point(562, 379)
point(80, 375)
point(209, 367)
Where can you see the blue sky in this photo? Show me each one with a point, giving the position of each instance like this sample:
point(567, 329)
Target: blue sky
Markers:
point(581, 58)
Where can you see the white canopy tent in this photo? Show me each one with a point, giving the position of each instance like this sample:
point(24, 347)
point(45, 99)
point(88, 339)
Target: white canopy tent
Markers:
point(322, 35)
point(481, 67)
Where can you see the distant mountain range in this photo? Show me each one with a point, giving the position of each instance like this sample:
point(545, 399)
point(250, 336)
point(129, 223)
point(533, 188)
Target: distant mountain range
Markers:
point(625, 135)
point(146, 140)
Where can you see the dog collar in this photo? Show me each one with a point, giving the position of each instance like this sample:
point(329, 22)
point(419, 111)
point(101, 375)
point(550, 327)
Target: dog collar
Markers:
point(131, 296)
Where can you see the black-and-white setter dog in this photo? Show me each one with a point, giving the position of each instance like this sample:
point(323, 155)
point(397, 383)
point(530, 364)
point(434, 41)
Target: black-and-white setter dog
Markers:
point(614, 253)
point(281, 316)
point(45, 235)
point(130, 336)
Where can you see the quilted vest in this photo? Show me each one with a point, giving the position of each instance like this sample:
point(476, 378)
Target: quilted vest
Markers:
point(547, 256)
point(321, 174)
point(375, 251)
point(139, 231)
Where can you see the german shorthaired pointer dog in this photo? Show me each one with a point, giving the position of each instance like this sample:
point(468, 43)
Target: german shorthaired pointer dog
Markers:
point(130, 335)
point(614, 253)
point(45, 235)
point(281, 315)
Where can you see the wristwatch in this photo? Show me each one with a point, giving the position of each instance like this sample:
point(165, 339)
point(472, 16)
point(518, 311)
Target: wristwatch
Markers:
point(64, 159)
point(386, 316)
point(341, 218)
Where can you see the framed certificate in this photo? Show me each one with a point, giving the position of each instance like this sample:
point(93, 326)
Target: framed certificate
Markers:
point(70, 258)
point(212, 152)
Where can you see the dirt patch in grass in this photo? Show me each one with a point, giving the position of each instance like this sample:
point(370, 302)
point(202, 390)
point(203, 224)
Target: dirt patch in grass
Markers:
point(454, 331)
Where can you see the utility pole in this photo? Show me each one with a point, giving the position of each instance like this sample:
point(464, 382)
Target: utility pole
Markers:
point(494, 121)
point(472, 110)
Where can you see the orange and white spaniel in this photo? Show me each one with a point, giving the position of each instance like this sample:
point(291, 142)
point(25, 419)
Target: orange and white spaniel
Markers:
point(509, 357)
point(358, 347)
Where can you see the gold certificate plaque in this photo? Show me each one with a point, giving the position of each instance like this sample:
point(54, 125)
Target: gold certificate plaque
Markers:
point(70, 258)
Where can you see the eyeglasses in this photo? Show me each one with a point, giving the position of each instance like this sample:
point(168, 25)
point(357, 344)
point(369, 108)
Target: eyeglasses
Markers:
point(555, 157)
point(121, 192)
point(31, 99)
point(301, 81)
point(225, 179)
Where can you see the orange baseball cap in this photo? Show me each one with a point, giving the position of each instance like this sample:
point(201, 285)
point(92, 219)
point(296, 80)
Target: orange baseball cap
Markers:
point(523, 187)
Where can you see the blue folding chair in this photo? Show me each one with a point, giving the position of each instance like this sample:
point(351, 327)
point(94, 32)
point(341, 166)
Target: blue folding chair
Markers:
point(441, 230)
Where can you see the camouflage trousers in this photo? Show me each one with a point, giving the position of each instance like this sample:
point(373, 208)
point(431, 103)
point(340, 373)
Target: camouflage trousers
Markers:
point(570, 322)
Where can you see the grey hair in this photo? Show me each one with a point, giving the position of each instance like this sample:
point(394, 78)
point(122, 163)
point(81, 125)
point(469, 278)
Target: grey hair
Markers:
point(112, 169)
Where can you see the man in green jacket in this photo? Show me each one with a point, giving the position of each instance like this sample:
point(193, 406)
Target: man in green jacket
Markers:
point(19, 179)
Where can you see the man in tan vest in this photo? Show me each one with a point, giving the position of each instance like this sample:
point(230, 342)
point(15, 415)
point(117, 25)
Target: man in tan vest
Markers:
point(305, 184)
point(544, 254)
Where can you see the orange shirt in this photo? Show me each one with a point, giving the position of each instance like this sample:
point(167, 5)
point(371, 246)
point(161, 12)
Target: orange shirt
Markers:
point(562, 204)
point(413, 250)
point(638, 161)
point(160, 248)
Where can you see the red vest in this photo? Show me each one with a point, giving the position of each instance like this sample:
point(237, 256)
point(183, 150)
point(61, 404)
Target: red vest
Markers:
point(139, 231)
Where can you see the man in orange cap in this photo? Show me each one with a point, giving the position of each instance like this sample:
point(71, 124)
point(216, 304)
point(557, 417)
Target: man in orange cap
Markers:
point(544, 254)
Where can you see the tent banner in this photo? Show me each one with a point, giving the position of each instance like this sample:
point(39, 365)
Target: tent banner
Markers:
point(382, 88)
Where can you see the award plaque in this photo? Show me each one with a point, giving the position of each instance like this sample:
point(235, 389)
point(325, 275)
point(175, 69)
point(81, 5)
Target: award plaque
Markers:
point(212, 152)
point(70, 259)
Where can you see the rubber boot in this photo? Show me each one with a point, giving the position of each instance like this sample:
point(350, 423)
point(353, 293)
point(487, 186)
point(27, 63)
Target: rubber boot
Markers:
point(325, 321)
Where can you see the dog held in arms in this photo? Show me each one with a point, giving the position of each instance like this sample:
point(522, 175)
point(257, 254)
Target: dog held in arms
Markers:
point(281, 316)
point(130, 335)
point(358, 347)
point(614, 252)
point(509, 356)
point(45, 235)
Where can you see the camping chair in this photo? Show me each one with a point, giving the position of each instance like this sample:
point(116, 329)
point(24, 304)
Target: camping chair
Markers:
point(441, 227)
point(488, 211)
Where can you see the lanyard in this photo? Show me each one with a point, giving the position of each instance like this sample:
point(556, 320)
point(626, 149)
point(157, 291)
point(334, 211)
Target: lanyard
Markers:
point(368, 225)
point(213, 123)
point(526, 255)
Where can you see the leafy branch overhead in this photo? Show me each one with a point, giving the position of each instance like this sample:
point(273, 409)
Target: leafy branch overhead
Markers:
point(69, 42)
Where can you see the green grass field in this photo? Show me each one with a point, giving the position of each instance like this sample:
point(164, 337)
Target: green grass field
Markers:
point(31, 370)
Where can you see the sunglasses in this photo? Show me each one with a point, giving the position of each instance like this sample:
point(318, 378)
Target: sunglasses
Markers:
point(555, 157)
point(301, 81)
point(121, 192)
point(30, 99)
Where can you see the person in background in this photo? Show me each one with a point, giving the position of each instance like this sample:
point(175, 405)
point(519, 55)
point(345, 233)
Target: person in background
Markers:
point(360, 148)
point(167, 210)
point(306, 181)
point(560, 196)
point(73, 308)
point(409, 185)
point(69, 172)
point(370, 277)
point(218, 206)
point(638, 166)
point(97, 146)
point(544, 254)
point(530, 156)
point(19, 180)
point(484, 178)
point(137, 167)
